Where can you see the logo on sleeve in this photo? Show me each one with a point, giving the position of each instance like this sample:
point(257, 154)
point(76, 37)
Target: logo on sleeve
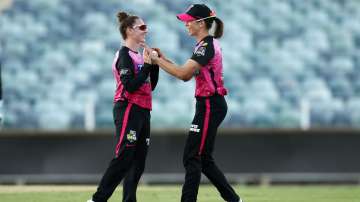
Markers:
point(200, 51)
point(124, 72)
point(196, 72)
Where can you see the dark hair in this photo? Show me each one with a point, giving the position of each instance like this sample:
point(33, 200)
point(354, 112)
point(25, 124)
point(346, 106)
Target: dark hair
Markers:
point(125, 20)
point(219, 26)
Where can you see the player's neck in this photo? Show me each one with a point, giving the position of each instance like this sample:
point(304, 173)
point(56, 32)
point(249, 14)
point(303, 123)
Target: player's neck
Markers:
point(201, 35)
point(134, 46)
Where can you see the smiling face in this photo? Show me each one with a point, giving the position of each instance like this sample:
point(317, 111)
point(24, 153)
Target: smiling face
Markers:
point(194, 27)
point(138, 31)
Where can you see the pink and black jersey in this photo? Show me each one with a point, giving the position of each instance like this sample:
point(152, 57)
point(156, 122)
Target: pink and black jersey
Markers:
point(134, 79)
point(209, 79)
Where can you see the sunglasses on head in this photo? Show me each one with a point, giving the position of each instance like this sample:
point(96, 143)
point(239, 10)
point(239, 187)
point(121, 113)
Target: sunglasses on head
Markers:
point(198, 20)
point(141, 27)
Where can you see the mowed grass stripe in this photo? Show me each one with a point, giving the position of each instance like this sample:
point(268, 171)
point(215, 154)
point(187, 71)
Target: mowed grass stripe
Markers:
point(172, 193)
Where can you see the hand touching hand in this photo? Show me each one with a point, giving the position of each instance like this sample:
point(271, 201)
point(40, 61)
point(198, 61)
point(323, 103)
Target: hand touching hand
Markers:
point(160, 54)
point(146, 56)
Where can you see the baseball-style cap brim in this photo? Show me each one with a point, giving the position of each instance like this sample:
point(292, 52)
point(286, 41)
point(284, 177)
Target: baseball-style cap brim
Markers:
point(185, 17)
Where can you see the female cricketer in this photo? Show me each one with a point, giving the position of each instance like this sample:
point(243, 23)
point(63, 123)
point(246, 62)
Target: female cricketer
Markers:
point(135, 81)
point(206, 66)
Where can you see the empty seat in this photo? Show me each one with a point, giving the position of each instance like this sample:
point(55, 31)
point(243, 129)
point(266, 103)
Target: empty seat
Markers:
point(323, 112)
point(353, 109)
point(274, 56)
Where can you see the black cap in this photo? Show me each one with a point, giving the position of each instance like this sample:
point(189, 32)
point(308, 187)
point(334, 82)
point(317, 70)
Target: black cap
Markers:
point(196, 12)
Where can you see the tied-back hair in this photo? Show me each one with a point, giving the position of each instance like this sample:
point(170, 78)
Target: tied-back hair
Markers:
point(217, 27)
point(125, 20)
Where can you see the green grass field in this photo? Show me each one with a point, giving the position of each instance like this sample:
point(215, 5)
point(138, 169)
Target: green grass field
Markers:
point(172, 194)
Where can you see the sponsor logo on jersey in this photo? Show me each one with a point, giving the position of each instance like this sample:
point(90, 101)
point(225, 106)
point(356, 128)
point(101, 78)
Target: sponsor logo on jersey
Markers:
point(195, 128)
point(139, 67)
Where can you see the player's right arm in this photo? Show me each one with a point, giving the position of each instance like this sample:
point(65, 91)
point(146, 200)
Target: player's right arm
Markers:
point(184, 72)
point(200, 57)
point(126, 70)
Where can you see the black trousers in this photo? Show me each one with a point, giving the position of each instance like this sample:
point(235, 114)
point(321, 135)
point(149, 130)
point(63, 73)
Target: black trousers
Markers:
point(132, 140)
point(198, 152)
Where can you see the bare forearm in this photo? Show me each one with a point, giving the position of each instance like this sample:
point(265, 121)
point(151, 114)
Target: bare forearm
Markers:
point(167, 60)
point(172, 69)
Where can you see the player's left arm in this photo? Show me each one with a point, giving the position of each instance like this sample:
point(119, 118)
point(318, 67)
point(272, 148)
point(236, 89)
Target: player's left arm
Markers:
point(154, 76)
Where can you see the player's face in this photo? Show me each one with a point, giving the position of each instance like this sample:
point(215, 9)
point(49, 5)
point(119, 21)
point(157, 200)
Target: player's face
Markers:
point(193, 27)
point(139, 31)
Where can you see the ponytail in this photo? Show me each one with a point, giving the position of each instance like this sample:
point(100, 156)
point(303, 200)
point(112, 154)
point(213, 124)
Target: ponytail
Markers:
point(217, 28)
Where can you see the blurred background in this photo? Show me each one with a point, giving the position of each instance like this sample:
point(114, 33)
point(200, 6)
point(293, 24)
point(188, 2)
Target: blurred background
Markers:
point(292, 69)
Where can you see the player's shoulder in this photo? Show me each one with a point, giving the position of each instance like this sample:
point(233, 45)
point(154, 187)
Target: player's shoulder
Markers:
point(124, 54)
point(206, 45)
point(124, 51)
point(207, 41)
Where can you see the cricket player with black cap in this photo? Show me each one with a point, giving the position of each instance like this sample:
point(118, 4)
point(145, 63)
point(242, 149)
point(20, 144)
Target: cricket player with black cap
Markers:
point(206, 66)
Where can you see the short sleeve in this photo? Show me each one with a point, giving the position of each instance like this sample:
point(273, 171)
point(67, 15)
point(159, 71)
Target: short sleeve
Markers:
point(203, 53)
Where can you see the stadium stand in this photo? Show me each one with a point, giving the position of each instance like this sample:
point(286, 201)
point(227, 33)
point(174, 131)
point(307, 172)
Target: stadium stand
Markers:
point(57, 56)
